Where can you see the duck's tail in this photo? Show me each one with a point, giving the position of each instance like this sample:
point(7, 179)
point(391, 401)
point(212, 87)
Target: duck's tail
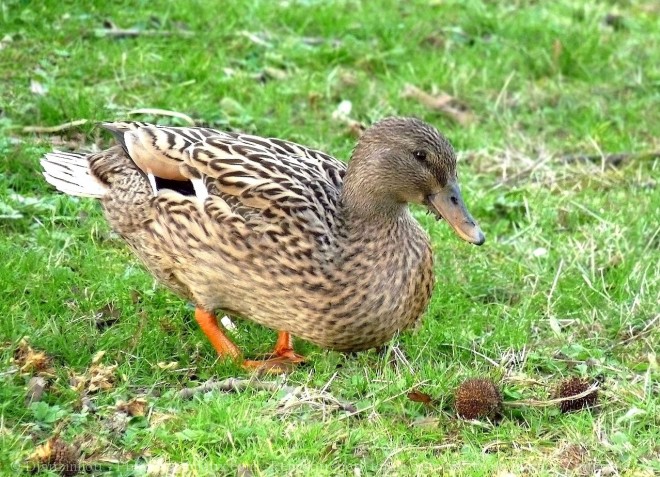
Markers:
point(69, 172)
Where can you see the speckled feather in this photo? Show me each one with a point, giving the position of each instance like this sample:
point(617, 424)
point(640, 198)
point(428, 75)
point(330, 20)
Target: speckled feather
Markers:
point(277, 240)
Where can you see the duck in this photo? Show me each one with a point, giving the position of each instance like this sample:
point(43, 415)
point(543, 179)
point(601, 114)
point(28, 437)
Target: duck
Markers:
point(276, 232)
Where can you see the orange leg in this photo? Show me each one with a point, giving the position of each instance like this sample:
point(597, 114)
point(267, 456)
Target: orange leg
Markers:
point(282, 359)
point(209, 325)
point(284, 348)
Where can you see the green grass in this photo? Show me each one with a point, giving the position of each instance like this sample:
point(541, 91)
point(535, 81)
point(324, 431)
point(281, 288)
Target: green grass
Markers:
point(567, 284)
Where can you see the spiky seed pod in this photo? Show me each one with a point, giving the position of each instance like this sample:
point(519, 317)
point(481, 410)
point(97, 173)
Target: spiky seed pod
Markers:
point(572, 387)
point(477, 398)
point(65, 458)
point(57, 455)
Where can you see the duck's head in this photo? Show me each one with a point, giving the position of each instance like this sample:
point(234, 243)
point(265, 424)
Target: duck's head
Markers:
point(405, 160)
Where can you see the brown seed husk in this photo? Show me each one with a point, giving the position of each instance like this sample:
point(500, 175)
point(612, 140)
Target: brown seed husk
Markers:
point(57, 455)
point(29, 360)
point(478, 398)
point(572, 387)
point(134, 407)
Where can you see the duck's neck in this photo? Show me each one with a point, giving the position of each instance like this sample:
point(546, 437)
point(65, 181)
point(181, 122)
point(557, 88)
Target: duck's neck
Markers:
point(364, 200)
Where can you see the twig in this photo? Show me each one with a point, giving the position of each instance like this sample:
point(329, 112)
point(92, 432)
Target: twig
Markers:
point(234, 385)
point(442, 102)
point(11, 370)
point(551, 402)
point(648, 328)
point(54, 129)
point(314, 397)
point(134, 32)
point(614, 159)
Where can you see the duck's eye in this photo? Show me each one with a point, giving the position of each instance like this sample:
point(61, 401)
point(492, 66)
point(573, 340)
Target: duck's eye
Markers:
point(420, 155)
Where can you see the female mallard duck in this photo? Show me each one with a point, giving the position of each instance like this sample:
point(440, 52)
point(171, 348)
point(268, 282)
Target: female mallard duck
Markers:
point(270, 230)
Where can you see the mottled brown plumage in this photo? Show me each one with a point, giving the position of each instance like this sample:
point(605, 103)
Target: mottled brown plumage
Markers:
point(278, 233)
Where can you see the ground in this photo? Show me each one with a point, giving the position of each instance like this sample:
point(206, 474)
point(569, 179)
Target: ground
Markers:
point(554, 108)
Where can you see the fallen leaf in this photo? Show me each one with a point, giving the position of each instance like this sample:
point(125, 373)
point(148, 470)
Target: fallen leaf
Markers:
point(314, 41)
point(426, 422)
point(261, 39)
point(342, 114)
point(37, 88)
point(505, 473)
point(101, 377)
point(161, 468)
point(434, 40)
point(243, 471)
point(448, 105)
point(30, 361)
point(117, 422)
point(97, 377)
point(35, 389)
point(356, 128)
point(5, 41)
point(166, 325)
point(134, 407)
point(348, 78)
point(7, 212)
point(98, 356)
point(495, 446)
point(106, 316)
point(228, 324)
point(418, 396)
point(157, 418)
point(231, 107)
point(167, 366)
point(343, 110)
point(554, 325)
point(275, 73)
point(87, 405)
point(630, 415)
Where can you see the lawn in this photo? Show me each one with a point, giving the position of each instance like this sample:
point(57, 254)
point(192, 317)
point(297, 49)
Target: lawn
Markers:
point(554, 108)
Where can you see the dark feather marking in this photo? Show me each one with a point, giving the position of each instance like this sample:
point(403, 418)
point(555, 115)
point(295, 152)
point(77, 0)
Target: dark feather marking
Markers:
point(182, 187)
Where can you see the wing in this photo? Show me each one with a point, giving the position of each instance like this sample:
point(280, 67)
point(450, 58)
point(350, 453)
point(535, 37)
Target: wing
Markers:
point(275, 185)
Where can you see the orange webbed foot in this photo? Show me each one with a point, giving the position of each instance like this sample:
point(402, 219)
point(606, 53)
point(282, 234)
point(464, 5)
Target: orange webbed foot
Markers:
point(283, 359)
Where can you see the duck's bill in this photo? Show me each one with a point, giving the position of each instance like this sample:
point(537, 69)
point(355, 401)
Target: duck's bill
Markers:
point(448, 204)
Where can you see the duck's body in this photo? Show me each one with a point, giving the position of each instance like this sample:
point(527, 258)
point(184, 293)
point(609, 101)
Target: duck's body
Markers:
point(270, 230)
